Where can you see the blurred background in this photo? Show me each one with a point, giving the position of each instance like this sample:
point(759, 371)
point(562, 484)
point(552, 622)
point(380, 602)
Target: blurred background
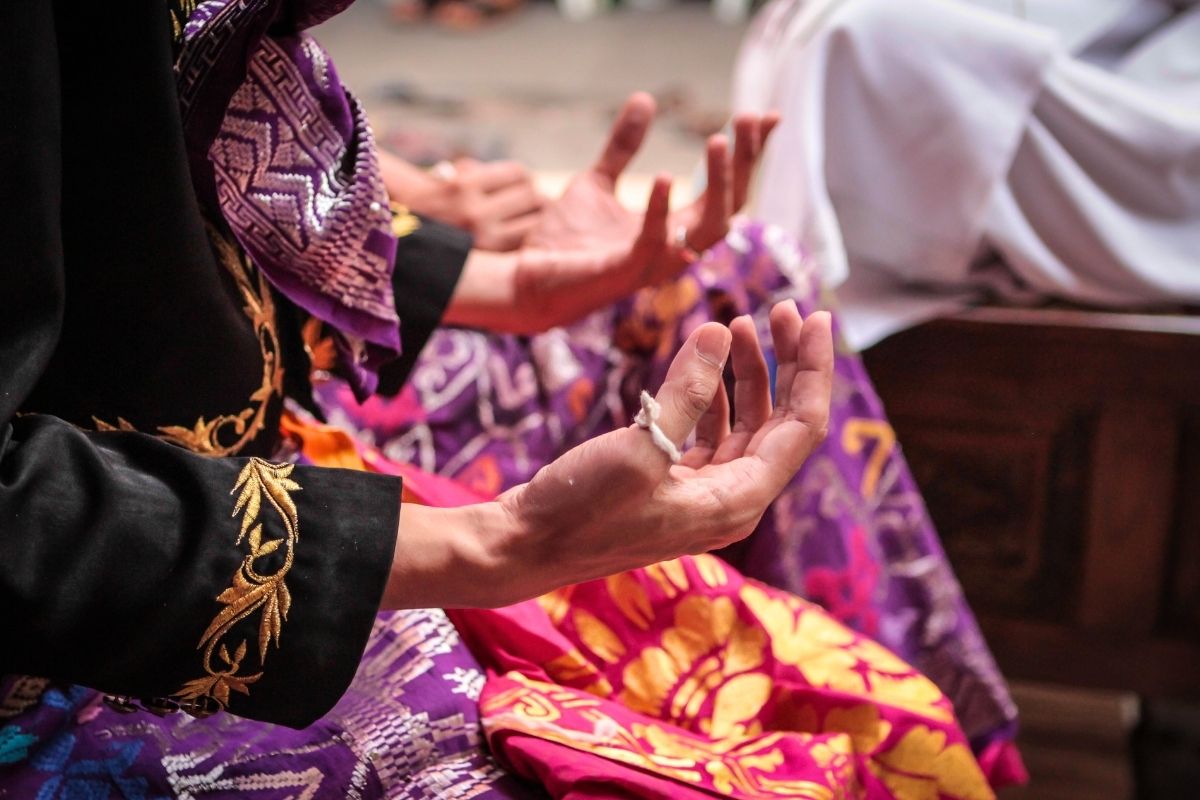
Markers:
point(1058, 446)
point(534, 86)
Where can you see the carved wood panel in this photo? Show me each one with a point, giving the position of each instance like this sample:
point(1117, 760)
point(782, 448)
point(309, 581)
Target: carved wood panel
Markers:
point(1059, 454)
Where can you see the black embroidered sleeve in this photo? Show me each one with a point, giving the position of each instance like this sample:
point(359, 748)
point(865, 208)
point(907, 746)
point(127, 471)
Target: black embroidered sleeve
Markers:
point(430, 256)
point(128, 563)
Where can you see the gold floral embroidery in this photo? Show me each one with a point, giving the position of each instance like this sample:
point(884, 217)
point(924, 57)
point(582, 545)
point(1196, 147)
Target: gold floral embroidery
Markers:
point(24, 693)
point(404, 222)
point(252, 590)
point(212, 437)
point(179, 17)
point(205, 436)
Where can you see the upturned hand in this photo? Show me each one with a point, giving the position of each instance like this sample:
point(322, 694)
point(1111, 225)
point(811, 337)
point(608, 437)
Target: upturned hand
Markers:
point(589, 251)
point(617, 502)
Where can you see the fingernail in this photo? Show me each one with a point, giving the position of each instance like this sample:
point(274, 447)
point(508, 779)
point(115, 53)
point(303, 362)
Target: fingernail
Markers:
point(712, 345)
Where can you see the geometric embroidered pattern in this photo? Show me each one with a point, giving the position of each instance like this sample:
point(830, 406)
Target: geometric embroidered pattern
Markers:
point(298, 194)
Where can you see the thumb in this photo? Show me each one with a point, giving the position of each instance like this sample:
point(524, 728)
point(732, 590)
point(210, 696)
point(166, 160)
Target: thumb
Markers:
point(692, 380)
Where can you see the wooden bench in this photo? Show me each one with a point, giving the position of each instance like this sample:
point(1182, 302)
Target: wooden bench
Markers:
point(1059, 452)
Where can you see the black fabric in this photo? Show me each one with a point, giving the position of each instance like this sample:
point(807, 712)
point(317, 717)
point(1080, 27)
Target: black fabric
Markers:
point(114, 547)
point(429, 263)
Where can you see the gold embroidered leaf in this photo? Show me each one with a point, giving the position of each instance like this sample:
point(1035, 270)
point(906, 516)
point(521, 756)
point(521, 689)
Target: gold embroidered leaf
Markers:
point(199, 687)
point(239, 684)
point(278, 494)
point(250, 500)
point(270, 547)
point(244, 603)
point(262, 393)
point(269, 627)
point(251, 591)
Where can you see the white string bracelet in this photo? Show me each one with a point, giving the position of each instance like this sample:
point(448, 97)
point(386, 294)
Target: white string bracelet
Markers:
point(648, 418)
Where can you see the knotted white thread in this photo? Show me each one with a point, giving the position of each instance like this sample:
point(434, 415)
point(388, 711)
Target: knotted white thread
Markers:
point(648, 418)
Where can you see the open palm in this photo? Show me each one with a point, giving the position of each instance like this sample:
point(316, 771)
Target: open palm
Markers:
point(589, 217)
point(617, 502)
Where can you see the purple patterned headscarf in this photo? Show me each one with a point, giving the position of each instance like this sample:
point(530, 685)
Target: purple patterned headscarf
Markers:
point(285, 155)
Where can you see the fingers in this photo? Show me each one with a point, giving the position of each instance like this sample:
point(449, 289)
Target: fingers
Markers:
point(513, 201)
point(770, 121)
point(507, 235)
point(653, 236)
point(746, 147)
point(785, 332)
point(752, 390)
point(692, 381)
point(494, 175)
point(812, 384)
point(801, 420)
point(626, 136)
point(714, 219)
point(711, 431)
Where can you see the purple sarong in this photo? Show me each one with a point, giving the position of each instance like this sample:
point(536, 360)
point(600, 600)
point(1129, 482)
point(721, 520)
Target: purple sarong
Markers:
point(408, 727)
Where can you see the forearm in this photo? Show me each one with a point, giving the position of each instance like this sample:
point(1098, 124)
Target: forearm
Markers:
point(531, 291)
point(458, 558)
point(485, 296)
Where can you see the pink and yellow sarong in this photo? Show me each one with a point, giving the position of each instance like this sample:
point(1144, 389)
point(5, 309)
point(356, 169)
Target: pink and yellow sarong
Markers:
point(685, 679)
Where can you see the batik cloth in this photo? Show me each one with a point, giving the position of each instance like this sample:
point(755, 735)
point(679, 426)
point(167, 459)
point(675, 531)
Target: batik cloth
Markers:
point(408, 728)
point(684, 679)
point(850, 532)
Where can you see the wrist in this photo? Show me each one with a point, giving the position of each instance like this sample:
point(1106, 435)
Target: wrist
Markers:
point(453, 558)
point(485, 296)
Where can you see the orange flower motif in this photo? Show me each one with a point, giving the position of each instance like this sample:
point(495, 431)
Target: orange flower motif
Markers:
point(707, 655)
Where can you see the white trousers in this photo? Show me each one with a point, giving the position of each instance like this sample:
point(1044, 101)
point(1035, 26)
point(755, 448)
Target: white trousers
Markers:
point(918, 136)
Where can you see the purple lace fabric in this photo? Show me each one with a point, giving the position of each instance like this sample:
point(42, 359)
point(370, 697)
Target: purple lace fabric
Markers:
point(408, 728)
point(850, 532)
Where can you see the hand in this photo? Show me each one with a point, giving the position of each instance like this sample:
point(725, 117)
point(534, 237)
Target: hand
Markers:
point(589, 215)
point(495, 201)
point(616, 502)
point(589, 251)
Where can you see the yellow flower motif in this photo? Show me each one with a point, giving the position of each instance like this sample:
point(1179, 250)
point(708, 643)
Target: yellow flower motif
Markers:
point(921, 767)
point(630, 599)
point(830, 656)
point(598, 637)
point(556, 604)
point(707, 654)
point(863, 724)
point(572, 668)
